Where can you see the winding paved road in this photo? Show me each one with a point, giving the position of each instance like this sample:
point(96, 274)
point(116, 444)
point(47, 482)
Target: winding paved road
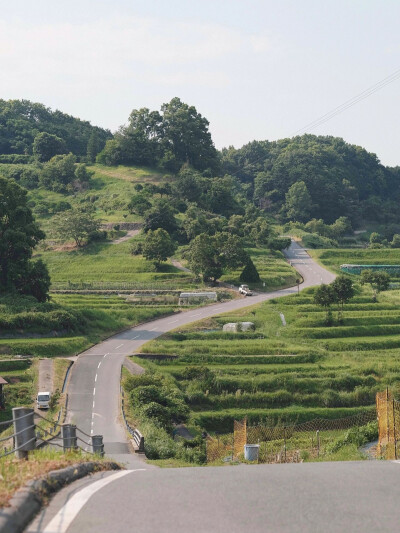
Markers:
point(93, 391)
point(289, 498)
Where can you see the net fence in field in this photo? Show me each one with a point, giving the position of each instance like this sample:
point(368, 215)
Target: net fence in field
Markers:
point(388, 411)
point(284, 443)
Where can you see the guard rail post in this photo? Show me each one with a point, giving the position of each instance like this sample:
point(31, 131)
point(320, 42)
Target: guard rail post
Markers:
point(68, 435)
point(97, 444)
point(24, 431)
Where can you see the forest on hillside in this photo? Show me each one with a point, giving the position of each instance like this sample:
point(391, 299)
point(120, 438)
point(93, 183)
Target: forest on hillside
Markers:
point(21, 121)
point(306, 178)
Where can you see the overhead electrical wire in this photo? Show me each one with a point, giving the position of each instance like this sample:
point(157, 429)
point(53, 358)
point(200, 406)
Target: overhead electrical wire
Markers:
point(349, 103)
point(339, 109)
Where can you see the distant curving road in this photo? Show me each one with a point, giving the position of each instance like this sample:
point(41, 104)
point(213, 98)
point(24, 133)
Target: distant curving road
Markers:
point(94, 386)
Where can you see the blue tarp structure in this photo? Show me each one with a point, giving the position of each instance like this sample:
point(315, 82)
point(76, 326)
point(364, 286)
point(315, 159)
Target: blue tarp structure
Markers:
point(357, 269)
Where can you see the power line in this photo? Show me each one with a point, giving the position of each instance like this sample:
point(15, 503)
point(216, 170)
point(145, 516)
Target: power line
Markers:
point(349, 103)
point(339, 109)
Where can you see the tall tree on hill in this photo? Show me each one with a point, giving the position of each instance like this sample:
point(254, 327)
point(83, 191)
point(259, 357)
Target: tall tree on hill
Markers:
point(325, 296)
point(46, 146)
point(209, 255)
point(77, 224)
point(379, 281)
point(161, 215)
point(158, 246)
point(186, 137)
point(19, 234)
point(298, 202)
point(344, 291)
point(93, 146)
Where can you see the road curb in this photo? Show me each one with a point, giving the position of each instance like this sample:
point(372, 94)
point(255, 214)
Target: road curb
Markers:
point(28, 501)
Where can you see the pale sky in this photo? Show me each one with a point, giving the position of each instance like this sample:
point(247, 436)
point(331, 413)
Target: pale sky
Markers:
point(260, 69)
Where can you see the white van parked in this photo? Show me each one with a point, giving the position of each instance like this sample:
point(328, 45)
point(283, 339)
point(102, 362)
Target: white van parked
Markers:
point(43, 400)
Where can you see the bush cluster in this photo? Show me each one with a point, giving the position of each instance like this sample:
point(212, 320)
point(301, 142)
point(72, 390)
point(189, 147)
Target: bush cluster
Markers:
point(54, 320)
point(158, 404)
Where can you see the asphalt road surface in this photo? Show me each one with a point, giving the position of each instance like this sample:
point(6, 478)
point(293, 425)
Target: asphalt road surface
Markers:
point(352, 497)
point(94, 386)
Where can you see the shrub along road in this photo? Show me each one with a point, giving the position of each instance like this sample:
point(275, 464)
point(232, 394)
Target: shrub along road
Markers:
point(94, 387)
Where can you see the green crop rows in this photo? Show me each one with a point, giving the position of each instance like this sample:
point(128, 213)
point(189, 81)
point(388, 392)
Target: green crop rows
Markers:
point(284, 374)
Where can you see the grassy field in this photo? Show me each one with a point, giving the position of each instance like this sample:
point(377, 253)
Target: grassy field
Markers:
point(275, 272)
point(21, 376)
point(69, 323)
point(15, 474)
point(111, 263)
point(110, 191)
point(286, 374)
point(333, 258)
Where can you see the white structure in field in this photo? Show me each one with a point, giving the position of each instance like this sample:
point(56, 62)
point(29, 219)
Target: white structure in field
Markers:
point(239, 326)
point(189, 297)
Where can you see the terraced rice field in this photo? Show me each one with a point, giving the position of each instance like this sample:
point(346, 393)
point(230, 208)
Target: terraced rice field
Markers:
point(96, 317)
point(283, 373)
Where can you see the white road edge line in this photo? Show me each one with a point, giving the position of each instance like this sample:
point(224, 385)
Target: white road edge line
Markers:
point(63, 519)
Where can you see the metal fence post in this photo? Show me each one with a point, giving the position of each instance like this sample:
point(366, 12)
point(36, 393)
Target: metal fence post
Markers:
point(284, 441)
point(394, 430)
point(68, 435)
point(24, 431)
point(97, 444)
point(318, 442)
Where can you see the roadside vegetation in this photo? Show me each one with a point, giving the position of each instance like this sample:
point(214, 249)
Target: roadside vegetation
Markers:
point(280, 374)
point(69, 323)
point(15, 474)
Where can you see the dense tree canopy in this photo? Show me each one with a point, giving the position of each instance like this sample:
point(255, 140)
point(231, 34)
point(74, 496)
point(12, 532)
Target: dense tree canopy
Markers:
point(76, 224)
point(19, 234)
point(208, 255)
point(46, 146)
point(21, 121)
point(158, 246)
point(342, 179)
point(175, 136)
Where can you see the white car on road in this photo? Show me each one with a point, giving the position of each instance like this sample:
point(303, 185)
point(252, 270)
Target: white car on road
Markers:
point(244, 289)
point(43, 400)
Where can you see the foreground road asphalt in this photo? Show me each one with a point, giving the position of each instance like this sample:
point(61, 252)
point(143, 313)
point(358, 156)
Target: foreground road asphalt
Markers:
point(352, 497)
point(93, 391)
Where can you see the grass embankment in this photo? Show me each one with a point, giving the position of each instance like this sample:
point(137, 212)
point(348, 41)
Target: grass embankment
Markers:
point(109, 193)
point(106, 263)
point(284, 374)
point(15, 474)
point(68, 323)
point(21, 376)
point(333, 258)
point(274, 271)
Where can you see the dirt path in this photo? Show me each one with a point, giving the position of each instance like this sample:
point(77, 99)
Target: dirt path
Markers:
point(178, 264)
point(129, 234)
point(46, 375)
